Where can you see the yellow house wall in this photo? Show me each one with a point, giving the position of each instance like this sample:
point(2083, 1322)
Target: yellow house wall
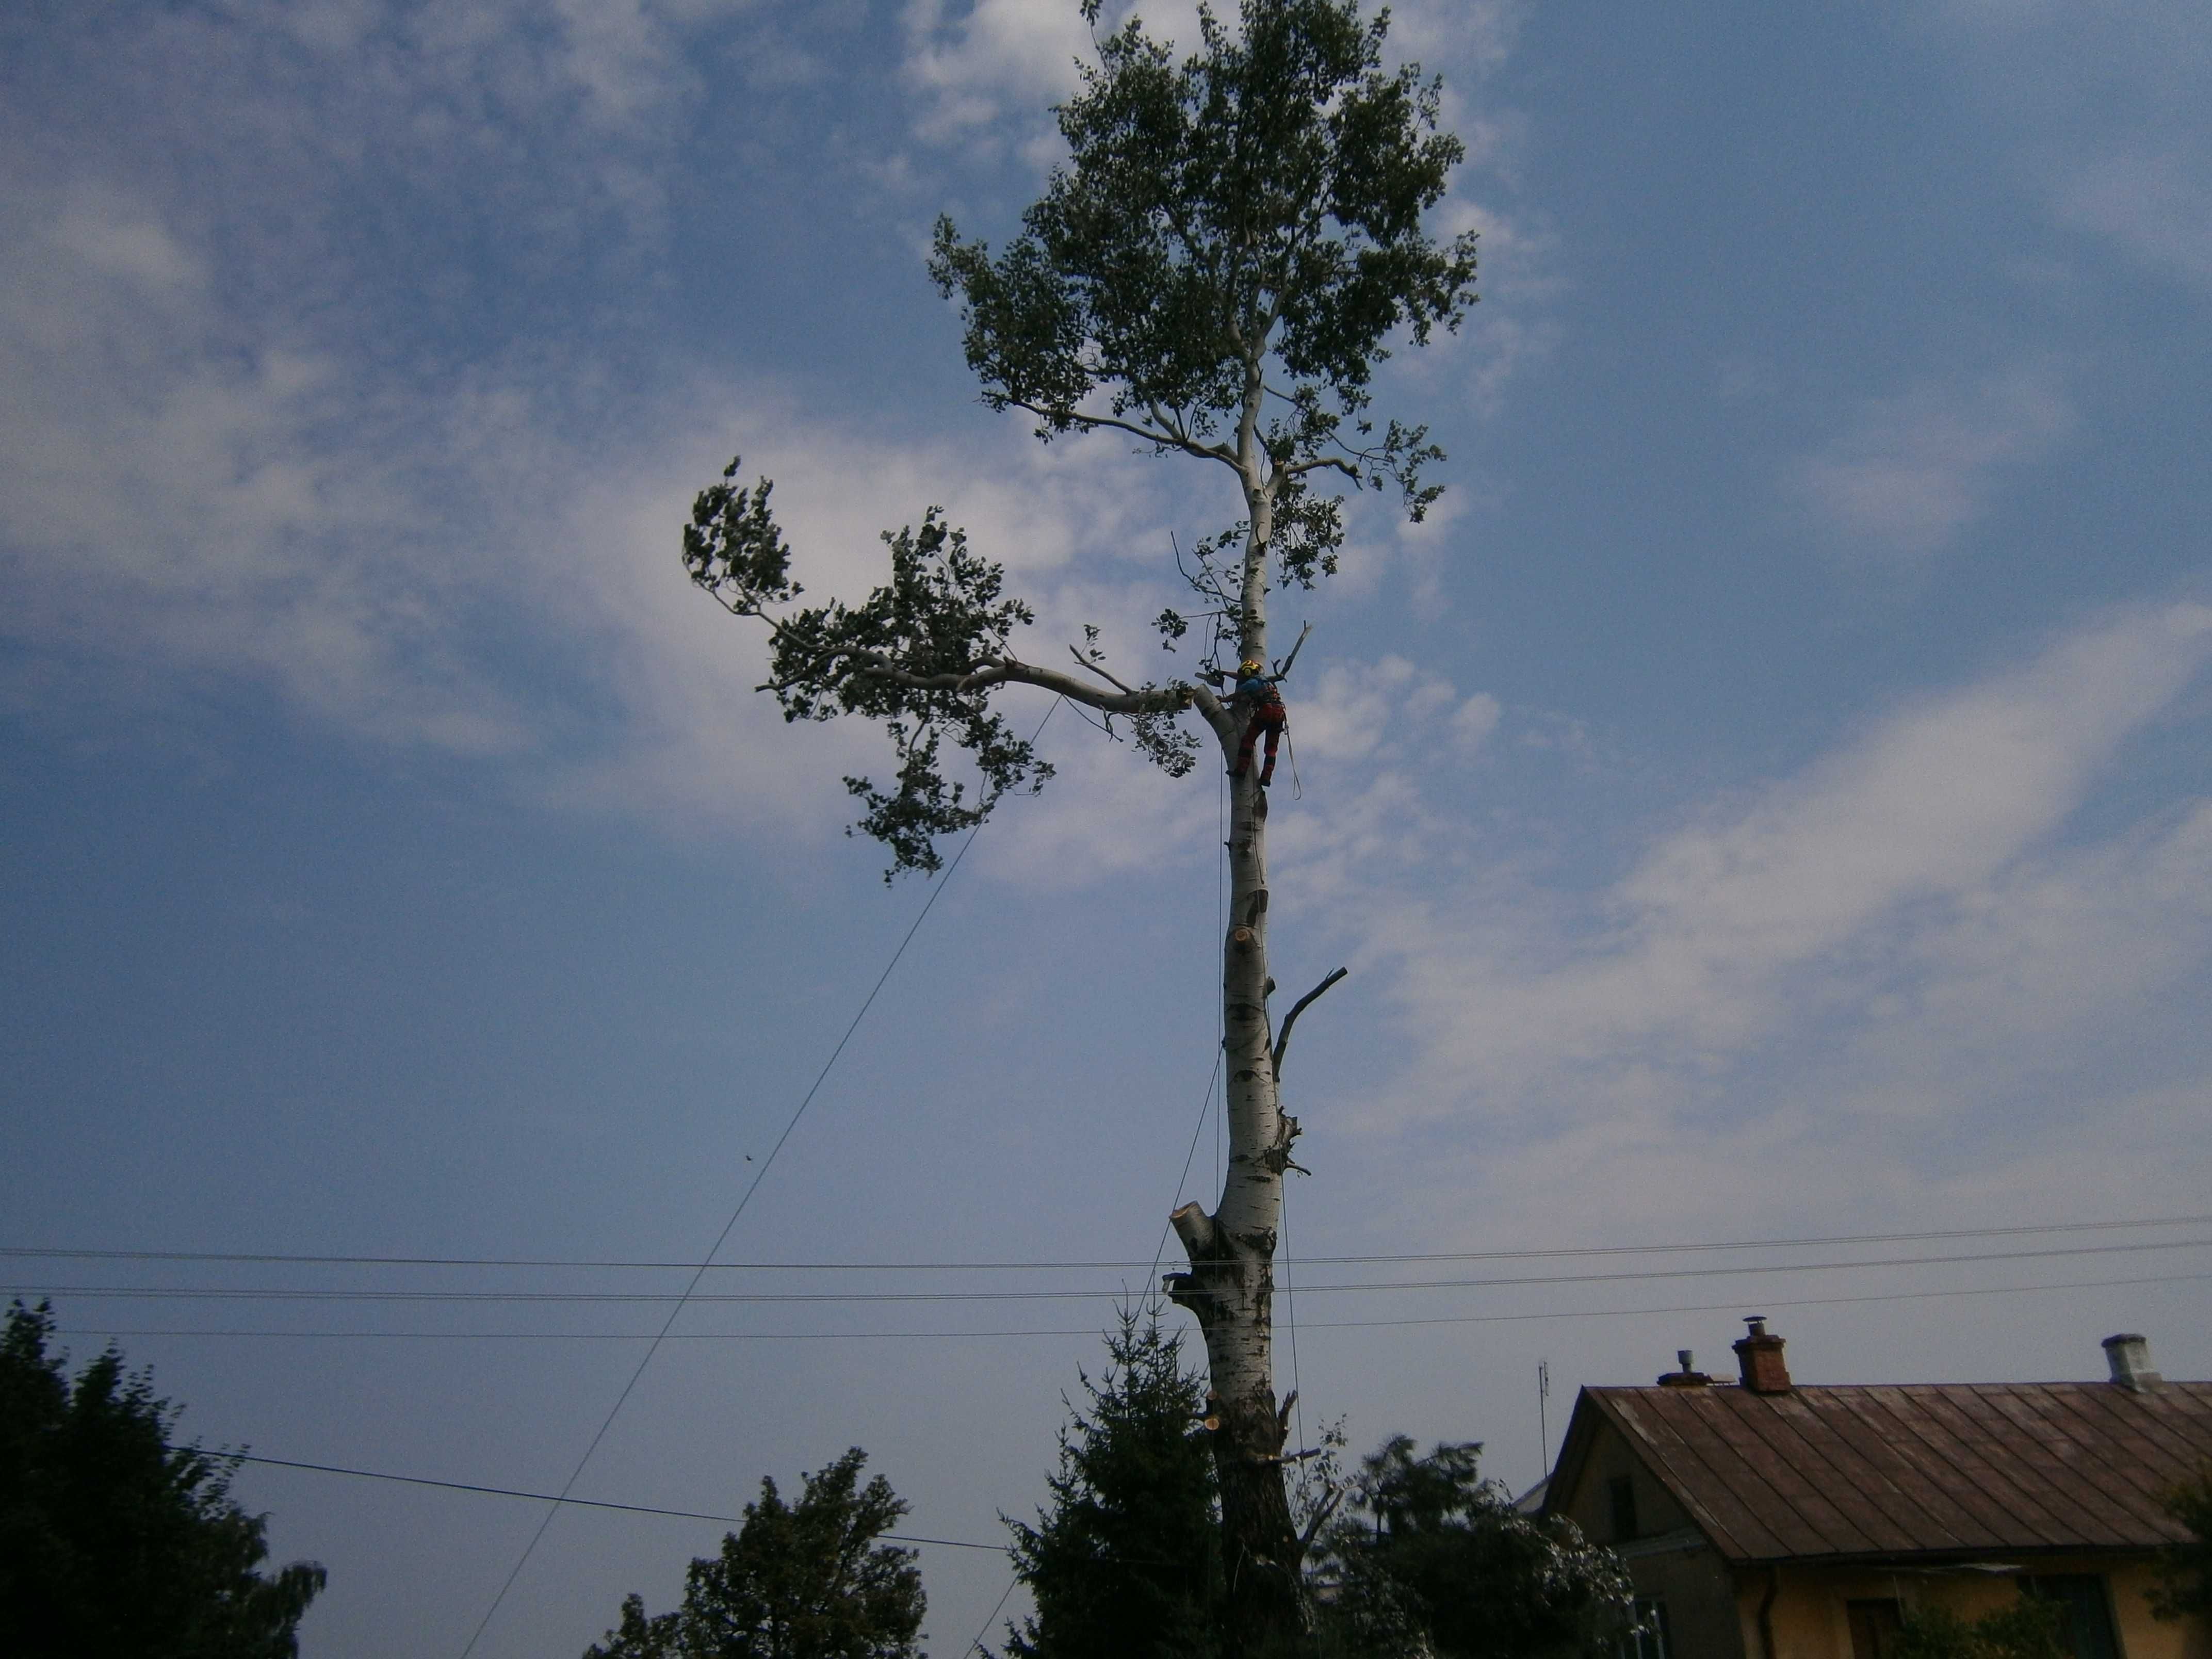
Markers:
point(1809, 1621)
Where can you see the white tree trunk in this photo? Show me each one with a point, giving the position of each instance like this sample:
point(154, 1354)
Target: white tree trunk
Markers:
point(1231, 1281)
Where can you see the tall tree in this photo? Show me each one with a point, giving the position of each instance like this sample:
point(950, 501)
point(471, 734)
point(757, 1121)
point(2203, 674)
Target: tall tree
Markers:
point(114, 1542)
point(796, 1580)
point(1232, 245)
point(1435, 1561)
point(1125, 1561)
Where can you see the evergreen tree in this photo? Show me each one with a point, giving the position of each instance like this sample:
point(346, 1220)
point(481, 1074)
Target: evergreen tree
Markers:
point(1434, 1560)
point(113, 1540)
point(797, 1581)
point(1125, 1562)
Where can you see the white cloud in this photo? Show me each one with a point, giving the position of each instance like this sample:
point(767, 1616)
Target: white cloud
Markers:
point(1899, 979)
point(2107, 111)
point(2158, 205)
point(1726, 935)
point(1000, 57)
point(1916, 471)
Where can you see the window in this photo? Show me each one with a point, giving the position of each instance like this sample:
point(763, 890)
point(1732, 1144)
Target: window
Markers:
point(2088, 1613)
point(1620, 1492)
point(1876, 1628)
point(1649, 1639)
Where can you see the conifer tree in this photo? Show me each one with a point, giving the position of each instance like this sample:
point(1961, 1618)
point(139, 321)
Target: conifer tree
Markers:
point(1125, 1560)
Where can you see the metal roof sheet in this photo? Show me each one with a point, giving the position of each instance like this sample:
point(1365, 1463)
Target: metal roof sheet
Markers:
point(1953, 1469)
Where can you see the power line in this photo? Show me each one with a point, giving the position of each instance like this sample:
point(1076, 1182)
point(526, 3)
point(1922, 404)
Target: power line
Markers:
point(158, 1293)
point(60, 1252)
point(744, 1198)
point(550, 1497)
point(976, 1645)
point(1087, 1331)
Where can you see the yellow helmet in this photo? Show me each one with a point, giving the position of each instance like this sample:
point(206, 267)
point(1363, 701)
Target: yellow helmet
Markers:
point(1252, 665)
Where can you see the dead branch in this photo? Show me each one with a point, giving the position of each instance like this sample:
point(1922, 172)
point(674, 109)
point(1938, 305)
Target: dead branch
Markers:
point(1283, 1037)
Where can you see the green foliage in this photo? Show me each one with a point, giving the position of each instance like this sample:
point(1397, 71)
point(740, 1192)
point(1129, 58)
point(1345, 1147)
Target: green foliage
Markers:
point(1253, 211)
point(1125, 1562)
point(2184, 1571)
point(1435, 1560)
point(904, 656)
point(113, 1541)
point(2029, 1629)
point(1218, 269)
point(799, 1581)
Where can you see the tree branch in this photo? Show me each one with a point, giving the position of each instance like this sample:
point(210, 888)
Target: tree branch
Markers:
point(1314, 464)
point(1319, 1520)
point(1284, 673)
point(1283, 1037)
point(1220, 453)
point(1082, 661)
point(1160, 700)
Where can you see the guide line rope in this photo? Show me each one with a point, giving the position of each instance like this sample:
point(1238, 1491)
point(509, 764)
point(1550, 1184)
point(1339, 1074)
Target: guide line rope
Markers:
point(936, 891)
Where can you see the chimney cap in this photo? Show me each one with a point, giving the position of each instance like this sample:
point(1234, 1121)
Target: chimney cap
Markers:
point(2129, 1355)
point(1758, 1355)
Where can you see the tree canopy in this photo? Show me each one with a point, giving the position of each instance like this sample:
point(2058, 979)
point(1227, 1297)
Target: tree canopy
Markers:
point(1433, 1560)
point(114, 1539)
point(796, 1580)
point(2184, 1577)
point(1217, 270)
point(2029, 1628)
point(1125, 1560)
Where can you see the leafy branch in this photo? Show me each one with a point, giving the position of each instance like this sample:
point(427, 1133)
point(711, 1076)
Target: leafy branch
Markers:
point(920, 656)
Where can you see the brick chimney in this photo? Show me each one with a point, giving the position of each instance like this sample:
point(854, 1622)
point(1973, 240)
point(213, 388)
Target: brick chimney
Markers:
point(2129, 1355)
point(1688, 1375)
point(1759, 1354)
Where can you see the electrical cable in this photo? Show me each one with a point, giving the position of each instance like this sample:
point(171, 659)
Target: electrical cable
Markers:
point(1087, 1331)
point(744, 1198)
point(545, 1496)
point(975, 1645)
point(57, 1252)
point(156, 1293)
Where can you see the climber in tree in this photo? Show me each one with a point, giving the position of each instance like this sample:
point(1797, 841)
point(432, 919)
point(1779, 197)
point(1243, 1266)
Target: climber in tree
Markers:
point(1256, 691)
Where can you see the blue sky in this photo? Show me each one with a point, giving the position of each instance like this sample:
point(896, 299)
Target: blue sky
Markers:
point(1768, 801)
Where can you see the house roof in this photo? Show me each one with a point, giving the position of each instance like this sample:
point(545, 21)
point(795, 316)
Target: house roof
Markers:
point(1879, 1472)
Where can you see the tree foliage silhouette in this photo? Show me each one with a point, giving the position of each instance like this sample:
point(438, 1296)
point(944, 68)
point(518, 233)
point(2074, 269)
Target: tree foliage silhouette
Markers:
point(115, 1541)
point(1434, 1560)
point(1125, 1560)
point(796, 1580)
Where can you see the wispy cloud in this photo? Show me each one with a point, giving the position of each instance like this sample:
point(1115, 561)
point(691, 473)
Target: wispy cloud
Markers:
point(2107, 111)
point(1913, 473)
point(1894, 960)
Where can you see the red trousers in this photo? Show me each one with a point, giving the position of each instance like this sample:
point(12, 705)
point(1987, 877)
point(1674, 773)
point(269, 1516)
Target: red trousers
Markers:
point(1269, 717)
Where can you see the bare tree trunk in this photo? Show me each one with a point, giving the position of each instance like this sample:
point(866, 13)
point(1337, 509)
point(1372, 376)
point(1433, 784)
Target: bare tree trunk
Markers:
point(1231, 1283)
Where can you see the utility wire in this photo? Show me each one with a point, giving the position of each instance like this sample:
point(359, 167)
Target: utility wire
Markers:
point(1087, 1331)
point(975, 1645)
point(58, 1253)
point(546, 1496)
point(689, 1295)
point(744, 1198)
